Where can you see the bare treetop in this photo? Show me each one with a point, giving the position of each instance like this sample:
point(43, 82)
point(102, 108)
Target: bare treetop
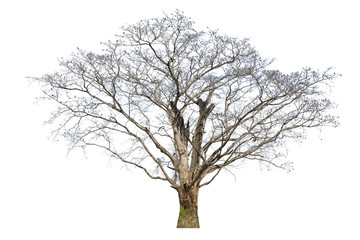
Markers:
point(180, 103)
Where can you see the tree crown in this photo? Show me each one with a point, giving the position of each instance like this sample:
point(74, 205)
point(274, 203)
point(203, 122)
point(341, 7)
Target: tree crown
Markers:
point(189, 102)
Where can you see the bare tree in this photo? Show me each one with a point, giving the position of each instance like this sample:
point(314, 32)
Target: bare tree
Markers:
point(182, 105)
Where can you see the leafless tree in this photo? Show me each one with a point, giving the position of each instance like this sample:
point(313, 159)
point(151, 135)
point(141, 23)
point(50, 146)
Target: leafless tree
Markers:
point(182, 105)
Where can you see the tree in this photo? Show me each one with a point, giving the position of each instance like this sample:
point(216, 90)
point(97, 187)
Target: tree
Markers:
point(182, 104)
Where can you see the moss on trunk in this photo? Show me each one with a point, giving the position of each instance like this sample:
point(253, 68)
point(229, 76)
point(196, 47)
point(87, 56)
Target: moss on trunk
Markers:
point(188, 215)
point(188, 218)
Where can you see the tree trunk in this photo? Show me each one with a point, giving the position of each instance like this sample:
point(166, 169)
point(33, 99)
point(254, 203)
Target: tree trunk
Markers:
point(188, 215)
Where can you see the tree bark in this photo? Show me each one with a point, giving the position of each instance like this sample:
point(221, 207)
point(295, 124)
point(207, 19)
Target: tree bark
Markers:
point(188, 215)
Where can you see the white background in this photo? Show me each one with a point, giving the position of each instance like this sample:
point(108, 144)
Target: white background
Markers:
point(46, 195)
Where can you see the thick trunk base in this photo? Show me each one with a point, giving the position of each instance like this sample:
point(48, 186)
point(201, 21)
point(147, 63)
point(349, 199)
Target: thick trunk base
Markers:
point(188, 218)
point(188, 215)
